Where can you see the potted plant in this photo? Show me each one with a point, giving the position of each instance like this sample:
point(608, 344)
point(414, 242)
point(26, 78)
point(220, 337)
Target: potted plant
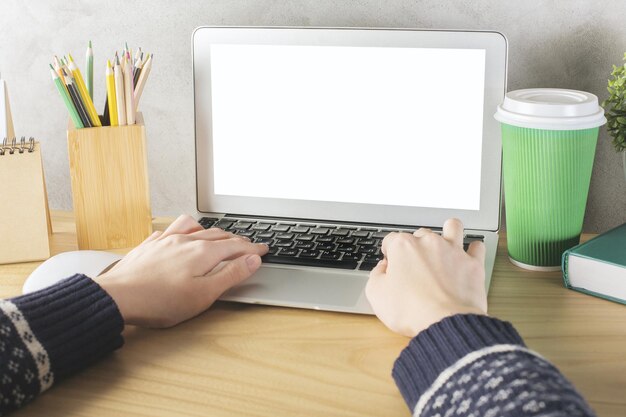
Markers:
point(615, 107)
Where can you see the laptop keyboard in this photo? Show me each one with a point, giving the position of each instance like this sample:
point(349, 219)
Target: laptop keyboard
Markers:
point(311, 244)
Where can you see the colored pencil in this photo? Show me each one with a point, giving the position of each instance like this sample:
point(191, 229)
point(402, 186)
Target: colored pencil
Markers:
point(84, 94)
point(137, 69)
point(106, 117)
point(119, 92)
point(138, 55)
point(76, 99)
point(58, 67)
point(78, 124)
point(111, 100)
point(89, 69)
point(128, 91)
point(143, 77)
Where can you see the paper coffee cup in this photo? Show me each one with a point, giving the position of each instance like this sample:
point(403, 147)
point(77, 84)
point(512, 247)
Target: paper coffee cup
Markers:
point(548, 145)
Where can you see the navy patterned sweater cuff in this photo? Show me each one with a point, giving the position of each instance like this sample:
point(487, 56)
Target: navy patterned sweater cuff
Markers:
point(75, 321)
point(441, 345)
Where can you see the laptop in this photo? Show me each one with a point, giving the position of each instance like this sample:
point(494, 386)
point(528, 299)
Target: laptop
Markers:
point(320, 141)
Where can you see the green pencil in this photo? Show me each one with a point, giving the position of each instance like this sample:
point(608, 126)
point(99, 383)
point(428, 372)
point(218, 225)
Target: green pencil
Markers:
point(90, 70)
point(66, 99)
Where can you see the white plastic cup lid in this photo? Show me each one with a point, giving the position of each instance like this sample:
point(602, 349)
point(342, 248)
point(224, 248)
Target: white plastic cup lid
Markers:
point(551, 109)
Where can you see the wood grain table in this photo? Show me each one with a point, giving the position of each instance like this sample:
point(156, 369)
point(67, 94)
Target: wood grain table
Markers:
point(237, 359)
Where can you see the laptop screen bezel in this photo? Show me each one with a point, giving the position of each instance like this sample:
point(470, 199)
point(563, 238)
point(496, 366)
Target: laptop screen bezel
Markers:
point(495, 46)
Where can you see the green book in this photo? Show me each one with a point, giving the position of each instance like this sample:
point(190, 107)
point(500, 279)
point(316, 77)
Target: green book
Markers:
point(598, 266)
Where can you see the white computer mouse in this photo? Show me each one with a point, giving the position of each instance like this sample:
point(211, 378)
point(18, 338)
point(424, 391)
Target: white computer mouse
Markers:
point(66, 264)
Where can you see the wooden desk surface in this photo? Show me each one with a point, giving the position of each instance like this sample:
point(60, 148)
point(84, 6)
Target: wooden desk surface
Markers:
point(237, 359)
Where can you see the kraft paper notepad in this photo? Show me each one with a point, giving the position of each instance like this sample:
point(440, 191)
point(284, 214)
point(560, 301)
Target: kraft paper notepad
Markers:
point(24, 215)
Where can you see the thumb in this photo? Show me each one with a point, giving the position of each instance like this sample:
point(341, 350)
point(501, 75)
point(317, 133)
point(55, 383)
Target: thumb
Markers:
point(373, 283)
point(233, 272)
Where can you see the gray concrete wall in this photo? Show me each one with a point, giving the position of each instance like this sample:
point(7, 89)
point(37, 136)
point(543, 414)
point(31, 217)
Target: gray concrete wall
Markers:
point(568, 44)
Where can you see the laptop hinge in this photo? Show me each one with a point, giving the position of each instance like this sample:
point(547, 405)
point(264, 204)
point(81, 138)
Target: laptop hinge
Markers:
point(344, 222)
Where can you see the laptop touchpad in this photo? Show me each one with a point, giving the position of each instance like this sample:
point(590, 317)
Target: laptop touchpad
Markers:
point(300, 287)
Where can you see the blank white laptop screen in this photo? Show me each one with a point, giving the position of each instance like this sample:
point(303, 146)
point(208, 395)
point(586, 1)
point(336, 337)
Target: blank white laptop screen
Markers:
point(369, 125)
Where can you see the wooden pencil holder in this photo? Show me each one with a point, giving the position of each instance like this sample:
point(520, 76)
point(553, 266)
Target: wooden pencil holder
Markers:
point(109, 174)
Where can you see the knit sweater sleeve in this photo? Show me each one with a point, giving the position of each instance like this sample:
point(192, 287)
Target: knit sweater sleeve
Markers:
point(471, 365)
point(51, 333)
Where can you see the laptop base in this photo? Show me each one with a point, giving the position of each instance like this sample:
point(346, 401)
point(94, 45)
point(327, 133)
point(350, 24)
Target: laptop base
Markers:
point(323, 288)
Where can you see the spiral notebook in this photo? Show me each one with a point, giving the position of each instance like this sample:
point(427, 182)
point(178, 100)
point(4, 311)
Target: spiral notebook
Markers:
point(24, 215)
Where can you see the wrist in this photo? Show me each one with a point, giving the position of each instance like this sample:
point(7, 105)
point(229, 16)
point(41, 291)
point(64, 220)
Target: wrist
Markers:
point(116, 288)
point(437, 315)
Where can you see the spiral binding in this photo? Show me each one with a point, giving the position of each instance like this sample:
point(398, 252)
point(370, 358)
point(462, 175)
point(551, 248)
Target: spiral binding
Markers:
point(13, 147)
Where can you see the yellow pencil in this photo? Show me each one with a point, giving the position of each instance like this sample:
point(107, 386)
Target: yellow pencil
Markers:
point(82, 89)
point(112, 102)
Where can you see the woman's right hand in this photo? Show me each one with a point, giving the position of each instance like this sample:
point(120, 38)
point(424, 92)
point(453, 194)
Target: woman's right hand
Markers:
point(426, 277)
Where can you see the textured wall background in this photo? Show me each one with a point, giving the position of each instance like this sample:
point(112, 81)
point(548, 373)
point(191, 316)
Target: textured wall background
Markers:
point(568, 44)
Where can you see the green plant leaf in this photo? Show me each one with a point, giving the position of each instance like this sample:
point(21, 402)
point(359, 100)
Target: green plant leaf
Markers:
point(615, 106)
